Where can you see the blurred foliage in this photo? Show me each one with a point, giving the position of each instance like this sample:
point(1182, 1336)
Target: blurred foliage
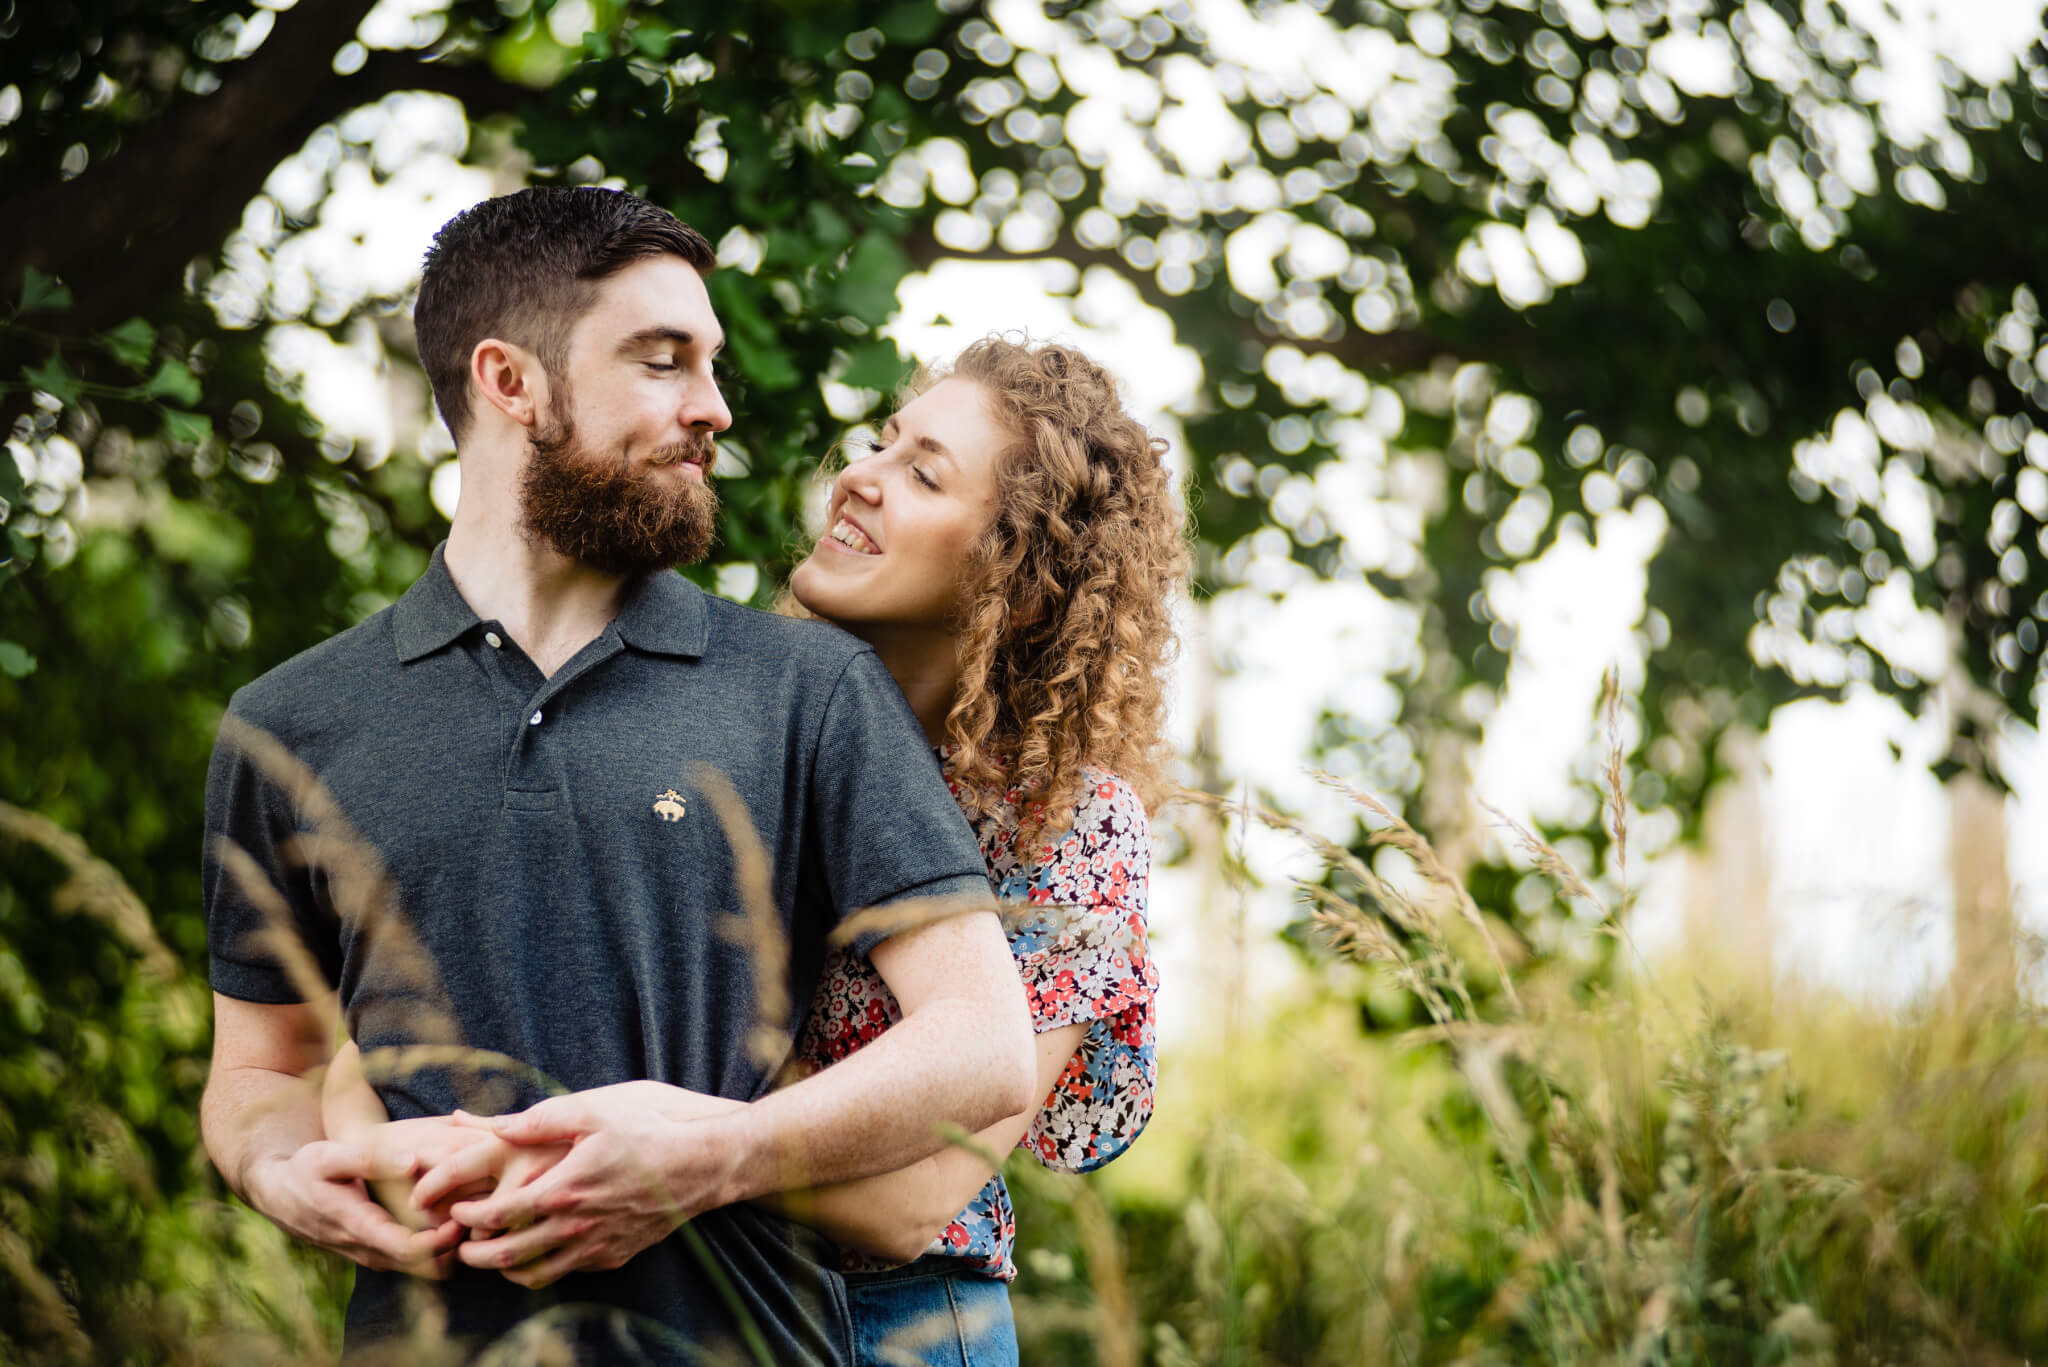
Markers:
point(1463, 278)
point(1631, 1177)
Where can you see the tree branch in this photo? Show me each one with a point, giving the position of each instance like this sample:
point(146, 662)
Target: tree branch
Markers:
point(122, 234)
point(480, 92)
point(1371, 352)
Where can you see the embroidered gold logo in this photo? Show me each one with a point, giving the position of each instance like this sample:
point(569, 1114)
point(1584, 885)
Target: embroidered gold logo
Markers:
point(669, 806)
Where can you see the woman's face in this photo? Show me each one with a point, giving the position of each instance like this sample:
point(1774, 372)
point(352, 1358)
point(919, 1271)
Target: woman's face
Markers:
point(903, 517)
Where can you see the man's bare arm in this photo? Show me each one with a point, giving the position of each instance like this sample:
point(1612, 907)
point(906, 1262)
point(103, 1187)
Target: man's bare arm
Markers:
point(260, 1120)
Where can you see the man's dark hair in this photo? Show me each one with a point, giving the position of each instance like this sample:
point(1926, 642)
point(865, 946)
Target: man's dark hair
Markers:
point(524, 268)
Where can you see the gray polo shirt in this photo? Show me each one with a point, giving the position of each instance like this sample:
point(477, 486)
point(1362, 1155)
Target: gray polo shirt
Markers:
point(533, 867)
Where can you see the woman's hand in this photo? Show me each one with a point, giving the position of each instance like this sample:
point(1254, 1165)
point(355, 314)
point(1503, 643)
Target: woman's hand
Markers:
point(485, 1164)
point(428, 1142)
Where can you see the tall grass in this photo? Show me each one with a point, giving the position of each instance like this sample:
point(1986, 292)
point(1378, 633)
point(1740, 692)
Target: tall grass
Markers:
point(1673, 1170)
point(1679, 1170)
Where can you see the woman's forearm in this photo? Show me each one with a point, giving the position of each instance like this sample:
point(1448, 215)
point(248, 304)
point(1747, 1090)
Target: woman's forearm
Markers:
point(349, 1107)
point(896, 1215)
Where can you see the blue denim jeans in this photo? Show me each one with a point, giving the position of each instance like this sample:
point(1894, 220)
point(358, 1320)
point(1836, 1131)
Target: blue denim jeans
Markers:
point(927, 1315)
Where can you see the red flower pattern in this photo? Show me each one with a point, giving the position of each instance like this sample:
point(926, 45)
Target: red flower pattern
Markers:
point(1081, 948)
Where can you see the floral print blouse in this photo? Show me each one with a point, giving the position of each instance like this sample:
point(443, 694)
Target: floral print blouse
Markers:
point(1075, 913)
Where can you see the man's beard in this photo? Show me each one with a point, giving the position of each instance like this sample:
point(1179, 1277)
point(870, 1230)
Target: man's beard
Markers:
point(601, 512)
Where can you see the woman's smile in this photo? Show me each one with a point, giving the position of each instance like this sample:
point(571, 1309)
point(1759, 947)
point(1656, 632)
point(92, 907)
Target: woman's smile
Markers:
point(919, 501)
point(850, 535)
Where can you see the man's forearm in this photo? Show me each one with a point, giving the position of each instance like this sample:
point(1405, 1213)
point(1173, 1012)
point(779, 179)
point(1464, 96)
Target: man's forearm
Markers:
point(249, 1114)
point(951, 1062)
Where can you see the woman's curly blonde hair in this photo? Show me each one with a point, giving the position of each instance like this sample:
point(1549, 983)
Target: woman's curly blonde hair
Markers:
point(1065, 625)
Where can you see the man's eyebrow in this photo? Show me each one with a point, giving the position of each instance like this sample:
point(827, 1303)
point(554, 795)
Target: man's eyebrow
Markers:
point(649, 336)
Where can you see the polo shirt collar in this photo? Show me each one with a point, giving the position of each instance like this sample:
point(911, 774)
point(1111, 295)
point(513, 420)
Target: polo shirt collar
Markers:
point(664, 614)
point(431, 613)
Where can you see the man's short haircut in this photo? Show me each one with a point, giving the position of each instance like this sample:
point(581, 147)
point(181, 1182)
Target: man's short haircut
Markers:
point(524, 268)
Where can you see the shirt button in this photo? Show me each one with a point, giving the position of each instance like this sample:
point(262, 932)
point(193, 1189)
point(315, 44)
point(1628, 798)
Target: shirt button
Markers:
point(493, 639)
point(533, 720)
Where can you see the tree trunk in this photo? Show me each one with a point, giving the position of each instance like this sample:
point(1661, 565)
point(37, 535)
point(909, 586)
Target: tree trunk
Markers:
point(1728, 878)
point(1986, 970)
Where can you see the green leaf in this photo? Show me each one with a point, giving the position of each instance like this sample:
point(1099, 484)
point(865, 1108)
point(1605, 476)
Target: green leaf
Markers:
point(913, 21)
point(173, 381)
point(789, 251)
point(874, 365)
point(187, 429)
point(528, 56)
point(651, 37)
point(15, 662)
point(828, 225)
point(22, 548)
point(42, 293)
point(189, 533)
point(764, 365)
point(132, 343)
point(11, 483)
point(867, 284)
point(54, 378)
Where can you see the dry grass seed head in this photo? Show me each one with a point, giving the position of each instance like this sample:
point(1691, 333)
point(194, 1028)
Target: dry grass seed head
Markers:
point(94, 888)
point(908, 913)
point(755, 927)
point(489, 1082)
point(363, 892)
point(1617, 800)
point(44, 1307)
point(1546, 860)
point(1411, 842)
point(278, 939)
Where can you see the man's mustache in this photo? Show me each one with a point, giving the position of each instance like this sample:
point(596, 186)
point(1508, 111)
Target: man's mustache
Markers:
point(697, 449)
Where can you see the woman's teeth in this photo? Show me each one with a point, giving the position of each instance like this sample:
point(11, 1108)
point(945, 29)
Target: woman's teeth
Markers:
point(851, 537)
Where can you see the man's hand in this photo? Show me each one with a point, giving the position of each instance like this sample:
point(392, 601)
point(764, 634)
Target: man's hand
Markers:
point(505, 1162)
point(317, 1194)
point(631, 1176)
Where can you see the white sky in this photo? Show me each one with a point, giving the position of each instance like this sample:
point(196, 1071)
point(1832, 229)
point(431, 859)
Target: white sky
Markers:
point(1857, 837)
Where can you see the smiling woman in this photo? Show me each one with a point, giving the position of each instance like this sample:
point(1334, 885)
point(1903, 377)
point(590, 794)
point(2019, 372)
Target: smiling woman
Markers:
point(902, 521)
point(1009, 547)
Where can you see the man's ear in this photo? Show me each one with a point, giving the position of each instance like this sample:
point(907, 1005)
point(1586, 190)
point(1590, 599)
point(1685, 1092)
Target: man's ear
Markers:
point(509, 378)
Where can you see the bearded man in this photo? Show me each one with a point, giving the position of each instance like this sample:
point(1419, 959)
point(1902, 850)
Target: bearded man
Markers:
point(489, 827)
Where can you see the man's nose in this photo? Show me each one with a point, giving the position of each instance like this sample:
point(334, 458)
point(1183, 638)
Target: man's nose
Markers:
point(706, 408)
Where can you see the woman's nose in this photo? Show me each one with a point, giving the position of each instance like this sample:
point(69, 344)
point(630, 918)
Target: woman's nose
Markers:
point(859, 482)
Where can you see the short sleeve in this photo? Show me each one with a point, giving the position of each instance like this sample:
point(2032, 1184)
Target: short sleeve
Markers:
point(888, 827)
point(1085, 959)
point(261, 904)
